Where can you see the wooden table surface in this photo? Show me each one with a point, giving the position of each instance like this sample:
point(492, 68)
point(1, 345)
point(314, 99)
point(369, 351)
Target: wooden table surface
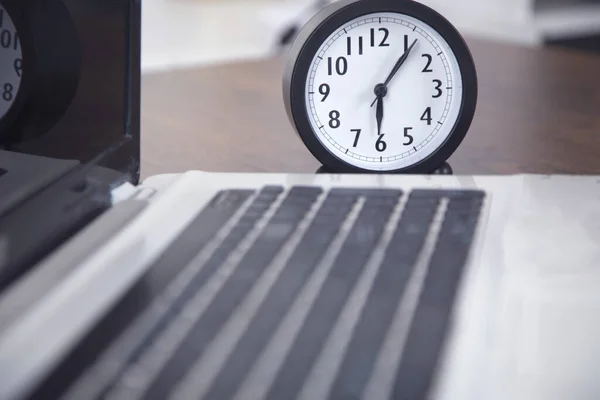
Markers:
point(538, 112)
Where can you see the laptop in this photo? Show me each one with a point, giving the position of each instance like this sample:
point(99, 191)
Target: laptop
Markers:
point(276, 286)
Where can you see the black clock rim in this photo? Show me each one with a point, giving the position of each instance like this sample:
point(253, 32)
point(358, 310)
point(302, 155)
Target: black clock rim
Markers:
point(328, 21)
point(28, 68)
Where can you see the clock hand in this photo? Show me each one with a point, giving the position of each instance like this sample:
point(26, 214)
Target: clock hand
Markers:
point(379, 114)
point(400, 62)
point(397, 66)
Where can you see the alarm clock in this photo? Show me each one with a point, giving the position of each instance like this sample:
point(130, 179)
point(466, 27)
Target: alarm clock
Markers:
point(380, 86)
point(14, 80)
point(40, 62)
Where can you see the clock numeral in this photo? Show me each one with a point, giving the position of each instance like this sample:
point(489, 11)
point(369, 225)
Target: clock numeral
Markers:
point(7, 95)
point(386, 34)
point(380, 145)
point(438, 88)
point(360, 45)
point(357, 132)
point(427, 116)
point(408, 136)
point(324, 89)
point(334, 119)
point(1, 18)
point(341, 66)
point(406, 44)
point(19, 67)
point(6, 39)
point(429, 60)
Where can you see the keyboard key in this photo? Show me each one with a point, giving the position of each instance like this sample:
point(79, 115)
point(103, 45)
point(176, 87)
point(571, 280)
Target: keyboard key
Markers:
point(139, 300)
point(236, 235)
point(432, 317)
point(383, 299)
point(450, 194)
point(253, 264)
point(272, 189)
point(298, 269)
point(354, 254)
point(305, 191)
point(366, 192)
point(431, 194)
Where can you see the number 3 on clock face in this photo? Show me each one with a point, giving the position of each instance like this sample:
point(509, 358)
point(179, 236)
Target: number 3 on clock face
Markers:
point(382, 91)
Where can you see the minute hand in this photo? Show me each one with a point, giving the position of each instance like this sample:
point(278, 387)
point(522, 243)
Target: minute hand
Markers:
point(399, 63)
point(397, 66)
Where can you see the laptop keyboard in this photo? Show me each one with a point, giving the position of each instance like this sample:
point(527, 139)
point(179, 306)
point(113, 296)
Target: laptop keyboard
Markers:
point(277, 294)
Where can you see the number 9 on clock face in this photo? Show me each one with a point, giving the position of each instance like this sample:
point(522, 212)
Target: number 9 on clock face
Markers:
point(380, 86)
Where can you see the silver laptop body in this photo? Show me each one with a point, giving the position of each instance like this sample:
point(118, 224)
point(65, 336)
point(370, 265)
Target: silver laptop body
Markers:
point(524, 324)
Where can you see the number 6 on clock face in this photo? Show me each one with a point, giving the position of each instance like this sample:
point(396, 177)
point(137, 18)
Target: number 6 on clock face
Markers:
point(380, 86)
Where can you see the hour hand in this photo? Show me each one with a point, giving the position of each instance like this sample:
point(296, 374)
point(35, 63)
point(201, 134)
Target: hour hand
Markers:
point(379, 114)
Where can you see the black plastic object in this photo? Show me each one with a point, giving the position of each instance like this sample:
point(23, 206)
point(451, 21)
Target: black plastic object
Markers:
point(79, 97)
point(40, 224)
point(312, 38)
point(444, 169)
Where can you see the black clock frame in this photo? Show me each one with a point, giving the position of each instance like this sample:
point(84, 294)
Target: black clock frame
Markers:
point(331, 19)
point(50, 73)
point(28, 64)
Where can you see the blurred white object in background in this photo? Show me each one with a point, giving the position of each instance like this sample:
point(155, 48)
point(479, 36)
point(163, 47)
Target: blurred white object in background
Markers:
point(522, 21)
point(187, 33)
point(567, 19)
point(526, 22)
point(505, 20)
point(184, 33)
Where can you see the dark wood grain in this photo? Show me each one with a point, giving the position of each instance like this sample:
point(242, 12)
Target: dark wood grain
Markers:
point(538, 112)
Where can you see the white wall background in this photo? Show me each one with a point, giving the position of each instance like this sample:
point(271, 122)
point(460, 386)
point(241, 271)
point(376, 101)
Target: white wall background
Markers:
point(180, 33)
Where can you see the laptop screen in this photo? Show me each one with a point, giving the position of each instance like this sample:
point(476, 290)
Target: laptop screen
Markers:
point(69, 84)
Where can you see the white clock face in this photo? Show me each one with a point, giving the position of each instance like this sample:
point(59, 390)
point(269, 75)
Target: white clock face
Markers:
point(11, 62)
point(419, 110)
